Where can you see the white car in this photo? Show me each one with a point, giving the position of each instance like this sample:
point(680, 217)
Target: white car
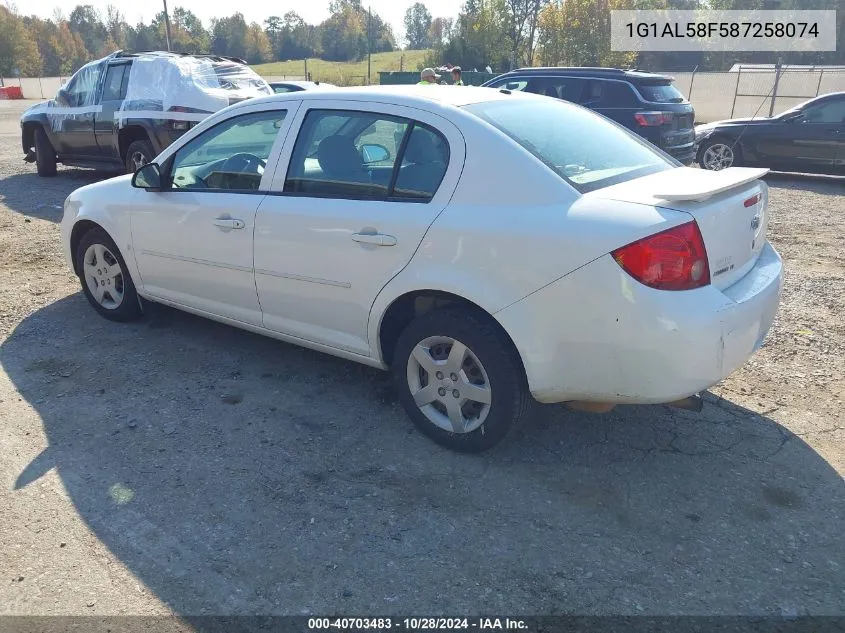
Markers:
point(484, 246)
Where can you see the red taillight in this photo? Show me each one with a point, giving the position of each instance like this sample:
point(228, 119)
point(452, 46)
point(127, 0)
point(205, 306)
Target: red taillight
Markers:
point(652, 119)
point(670, 260)
point(752, 201)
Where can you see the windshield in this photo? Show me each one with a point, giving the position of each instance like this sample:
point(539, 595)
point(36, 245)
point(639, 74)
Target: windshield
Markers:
point(585, 149)
point(660, 93)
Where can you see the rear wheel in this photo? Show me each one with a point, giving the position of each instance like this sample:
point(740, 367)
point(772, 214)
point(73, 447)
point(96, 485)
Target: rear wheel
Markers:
point(105, 277)
point(138, 154)
point(717, 154)
point(459, 380)
point(45, 155)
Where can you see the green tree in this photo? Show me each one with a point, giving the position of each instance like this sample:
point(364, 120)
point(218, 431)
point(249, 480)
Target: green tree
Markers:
point(229, 35)
point(258, 49)
point(85, 20)
point(344, 34)
point(19, 54)
point(417, 25)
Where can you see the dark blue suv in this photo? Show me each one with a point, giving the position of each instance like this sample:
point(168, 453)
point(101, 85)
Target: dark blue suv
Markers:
point(645, 103)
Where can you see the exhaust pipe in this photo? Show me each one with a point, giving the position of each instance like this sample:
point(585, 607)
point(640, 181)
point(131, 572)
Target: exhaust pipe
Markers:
point(693, 403)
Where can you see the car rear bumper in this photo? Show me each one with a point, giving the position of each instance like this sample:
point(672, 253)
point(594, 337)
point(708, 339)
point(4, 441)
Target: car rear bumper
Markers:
point(684, 153)
point(599, 335)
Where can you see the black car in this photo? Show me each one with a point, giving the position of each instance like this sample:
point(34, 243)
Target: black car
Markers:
point(645, 103)
point(808, 138)
point(120, 112)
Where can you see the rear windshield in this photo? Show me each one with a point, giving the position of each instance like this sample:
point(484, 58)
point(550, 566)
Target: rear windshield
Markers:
point(660, 93)
point(585, 149)
point(237, 77)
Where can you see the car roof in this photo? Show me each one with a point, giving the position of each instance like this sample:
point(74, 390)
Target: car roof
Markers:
point(410, 95)
point(603, 73)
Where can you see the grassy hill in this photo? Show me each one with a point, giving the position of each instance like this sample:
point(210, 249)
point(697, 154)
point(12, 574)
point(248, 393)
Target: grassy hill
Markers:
point(344, 73)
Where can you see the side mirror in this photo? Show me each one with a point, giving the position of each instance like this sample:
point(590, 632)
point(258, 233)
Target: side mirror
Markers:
point(374, 153)
point(795, 117)
point(148, 177)
point(63, 97)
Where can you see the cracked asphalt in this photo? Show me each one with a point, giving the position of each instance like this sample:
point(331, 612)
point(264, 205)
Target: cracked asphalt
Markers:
point(175, 465)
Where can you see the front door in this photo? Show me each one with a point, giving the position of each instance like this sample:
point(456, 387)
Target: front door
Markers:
point(360, 188)
point(73, 119)
point(811, 142)
point(193, 241)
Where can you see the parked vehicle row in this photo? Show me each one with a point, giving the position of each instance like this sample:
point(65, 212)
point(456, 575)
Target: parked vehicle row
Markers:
point(485, 246)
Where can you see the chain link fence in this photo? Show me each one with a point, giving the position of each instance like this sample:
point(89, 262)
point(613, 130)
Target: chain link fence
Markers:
point(754, 92)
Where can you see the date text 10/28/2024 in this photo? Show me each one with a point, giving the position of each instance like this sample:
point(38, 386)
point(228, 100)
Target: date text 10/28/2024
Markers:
point(416, 624)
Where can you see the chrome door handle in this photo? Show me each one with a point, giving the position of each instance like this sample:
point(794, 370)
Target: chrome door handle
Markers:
point(379, 239)
point(229, 223)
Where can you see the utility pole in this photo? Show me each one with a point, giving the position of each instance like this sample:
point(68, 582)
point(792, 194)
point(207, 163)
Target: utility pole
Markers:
point(166, 26)
point(369, 42)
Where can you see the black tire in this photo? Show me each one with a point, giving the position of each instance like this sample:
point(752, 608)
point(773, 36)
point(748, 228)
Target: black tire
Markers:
point(129, 308)
point(45, 155)
point(505, 377)
point(144, 148)
point(719, 140)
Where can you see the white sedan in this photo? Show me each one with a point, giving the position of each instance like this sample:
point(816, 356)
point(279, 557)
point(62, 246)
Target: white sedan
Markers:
point(483, 246)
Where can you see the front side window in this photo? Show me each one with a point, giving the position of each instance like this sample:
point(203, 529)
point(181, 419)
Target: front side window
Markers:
point(230, 156)
point(82, 88)
point(365, 155)
point(828, 112)
point(585, 149)
point(511, 84)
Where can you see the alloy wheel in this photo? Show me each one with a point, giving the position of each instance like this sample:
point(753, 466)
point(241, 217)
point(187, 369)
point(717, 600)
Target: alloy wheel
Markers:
point(718, 156)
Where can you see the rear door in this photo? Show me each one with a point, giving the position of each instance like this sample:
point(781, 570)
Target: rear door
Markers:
point(338, 227)
point(113, 94)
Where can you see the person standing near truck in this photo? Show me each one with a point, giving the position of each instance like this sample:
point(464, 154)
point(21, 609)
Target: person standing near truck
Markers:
point(456, 76)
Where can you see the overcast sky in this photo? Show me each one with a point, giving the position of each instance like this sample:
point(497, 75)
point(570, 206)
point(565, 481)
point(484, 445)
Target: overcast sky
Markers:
point(312, 11)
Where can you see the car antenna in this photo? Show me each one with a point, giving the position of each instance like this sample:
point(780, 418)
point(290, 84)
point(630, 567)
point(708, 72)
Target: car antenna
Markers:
point(745, 127)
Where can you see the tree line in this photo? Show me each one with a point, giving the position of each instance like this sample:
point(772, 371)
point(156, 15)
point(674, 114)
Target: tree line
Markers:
point(503, 34)
point(31, 46)
point(500, 34)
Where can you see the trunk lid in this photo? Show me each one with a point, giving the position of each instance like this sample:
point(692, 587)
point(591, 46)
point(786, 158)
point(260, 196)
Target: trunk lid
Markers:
point(730, 207)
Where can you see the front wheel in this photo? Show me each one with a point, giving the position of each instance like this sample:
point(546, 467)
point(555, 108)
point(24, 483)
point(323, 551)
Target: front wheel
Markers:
point(105, 278)
point(459, 380)
point(45, 154)
point(138, 154)
point(718, 154)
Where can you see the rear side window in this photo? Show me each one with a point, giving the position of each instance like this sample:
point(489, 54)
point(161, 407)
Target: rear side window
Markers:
point(114, 86)
point(660, 93)
point(566, 88)
point(585, 149)
point(366, 156)
point(601, 94)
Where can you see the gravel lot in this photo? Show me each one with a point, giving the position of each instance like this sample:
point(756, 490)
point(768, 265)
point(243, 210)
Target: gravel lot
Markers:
point(180, 466)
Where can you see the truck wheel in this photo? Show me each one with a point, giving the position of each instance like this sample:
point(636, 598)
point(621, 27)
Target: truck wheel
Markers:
point(138, 154)
point(45, 155)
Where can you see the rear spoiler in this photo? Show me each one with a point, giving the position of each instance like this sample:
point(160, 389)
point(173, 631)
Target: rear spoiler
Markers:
point(700, 184)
